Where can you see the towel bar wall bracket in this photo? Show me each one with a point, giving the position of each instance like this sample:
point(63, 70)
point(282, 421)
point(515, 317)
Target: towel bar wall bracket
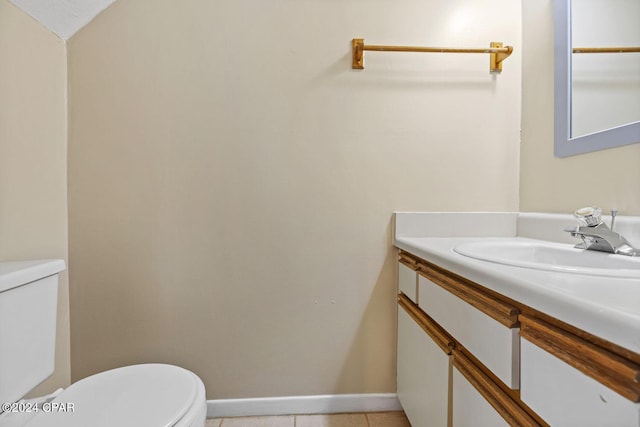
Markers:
point(497, 52)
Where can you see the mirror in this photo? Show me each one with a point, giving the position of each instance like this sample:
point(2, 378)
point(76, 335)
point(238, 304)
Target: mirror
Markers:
point(597, 95)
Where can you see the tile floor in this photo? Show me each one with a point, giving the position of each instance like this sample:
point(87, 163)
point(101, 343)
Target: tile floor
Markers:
point(370, 419)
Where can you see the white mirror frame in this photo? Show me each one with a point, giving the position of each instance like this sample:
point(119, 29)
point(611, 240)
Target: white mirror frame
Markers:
point(564, 144)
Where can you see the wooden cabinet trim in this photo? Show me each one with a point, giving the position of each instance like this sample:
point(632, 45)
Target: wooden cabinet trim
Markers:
point(508, 408)
point(435, 331)
point(614, 366)
point(408, 260)
point(471, 293)
point(615, 372)
point(585, 336)
point(600, 342)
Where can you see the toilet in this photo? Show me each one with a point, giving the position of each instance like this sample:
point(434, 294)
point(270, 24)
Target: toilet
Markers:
point(153, 395)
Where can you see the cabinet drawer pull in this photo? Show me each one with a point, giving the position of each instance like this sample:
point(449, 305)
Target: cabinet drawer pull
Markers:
point(513, 413)
point(408, 260)
point(435, 331)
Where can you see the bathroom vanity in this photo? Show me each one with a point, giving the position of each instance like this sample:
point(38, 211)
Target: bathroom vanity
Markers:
point(486, 340)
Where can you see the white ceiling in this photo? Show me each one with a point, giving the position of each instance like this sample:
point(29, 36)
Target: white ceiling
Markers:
point(63, 17)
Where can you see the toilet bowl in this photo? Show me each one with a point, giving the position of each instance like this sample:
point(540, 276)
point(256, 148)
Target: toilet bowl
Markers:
point(152, 395)
point(147, 395)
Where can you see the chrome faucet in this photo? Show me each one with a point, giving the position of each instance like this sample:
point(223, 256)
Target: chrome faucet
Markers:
point(596, 236)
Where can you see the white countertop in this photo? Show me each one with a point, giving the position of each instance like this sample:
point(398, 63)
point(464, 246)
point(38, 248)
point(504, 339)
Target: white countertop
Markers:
point(606, 307)
point(18, 273)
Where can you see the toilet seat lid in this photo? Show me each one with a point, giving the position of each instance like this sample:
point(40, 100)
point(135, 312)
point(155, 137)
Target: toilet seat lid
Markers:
point(154, 395)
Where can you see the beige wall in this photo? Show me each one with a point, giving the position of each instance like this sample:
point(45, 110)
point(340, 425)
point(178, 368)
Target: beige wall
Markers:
point(609, 178)
point(232, 180)
point(33, 144)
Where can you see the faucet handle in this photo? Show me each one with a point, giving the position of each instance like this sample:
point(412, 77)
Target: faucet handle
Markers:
point(589, 216)
point(574, 230)
point(614, 213)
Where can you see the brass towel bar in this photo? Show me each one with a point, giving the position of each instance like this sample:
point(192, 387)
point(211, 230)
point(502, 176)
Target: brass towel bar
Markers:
point(497, 51)
point(605, 49)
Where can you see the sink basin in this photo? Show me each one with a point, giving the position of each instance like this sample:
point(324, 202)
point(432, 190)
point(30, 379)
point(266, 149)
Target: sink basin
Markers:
point(542, 255)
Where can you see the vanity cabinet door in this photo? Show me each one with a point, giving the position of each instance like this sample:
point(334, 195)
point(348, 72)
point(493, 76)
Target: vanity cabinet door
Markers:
point(565, 397)
point(570, 381)
point(423, 375)
point(470, 408)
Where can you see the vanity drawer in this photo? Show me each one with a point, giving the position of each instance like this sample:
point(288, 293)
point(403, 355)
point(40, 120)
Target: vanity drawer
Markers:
point(571, 382)
point(408, 281)
point(487, 328)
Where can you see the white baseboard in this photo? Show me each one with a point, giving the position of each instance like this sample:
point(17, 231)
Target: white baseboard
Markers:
point(291, 405)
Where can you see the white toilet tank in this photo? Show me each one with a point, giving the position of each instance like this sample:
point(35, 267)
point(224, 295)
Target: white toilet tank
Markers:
point(28, 302)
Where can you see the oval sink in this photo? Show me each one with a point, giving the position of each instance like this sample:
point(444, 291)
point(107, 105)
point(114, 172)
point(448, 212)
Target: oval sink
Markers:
point(541, 255)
